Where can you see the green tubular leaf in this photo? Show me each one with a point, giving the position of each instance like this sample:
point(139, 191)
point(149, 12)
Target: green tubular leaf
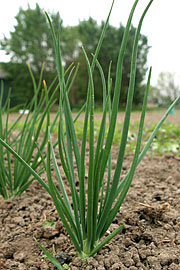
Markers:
point(33, 80)
point(69, 216)
point(106, 240)
point(15, 165)
point(72, 132)
point(40, 78)
point(82, 167)
point(60, 68)
point(9, 132)
point(1, 119)
point(23, 133)
point(61, 185)
point(69, 147)
point(7, 107)
point(150, 140)
point(71, 136)
point(73, 79)
point(41, 156)
point(156, 129)
point(115, 103)
point(100, 148)
point(45, 137)
point(129, 102)
point(27, 130)
point(61, 147)
point(92, 68)
point(84, 138)
point(3, 176)
point(96, 196)
point(2, 94)
point(109, 159)
point(36, 135)
point(68, 81)
point(75, 204)
point(91, 157)
point(52, 32)
point(64, 157)
point(25, 164)
point(11, 186)
point(102, 127)
point(2, 108)
point(29, 107)
point(50, 256)
point(24, 147)
point(100, 140)
point(117, 173)
point(3, 181)
point(67, 110)
point(6, 185)
point(98, 155)
point(79, 113)
point(101, 38)
point(68, 69)
point(103, 82)
point(23, 188)
point(35, 163)
point(36, 88)
point(47, 100)
point(112, 122)
point(64, 209)
point(96, 55)
point(68, 167)
point(54, 122)
point(57, 202)
point(128, 181)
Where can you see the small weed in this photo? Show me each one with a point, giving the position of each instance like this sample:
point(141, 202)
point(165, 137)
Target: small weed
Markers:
point(50, 223)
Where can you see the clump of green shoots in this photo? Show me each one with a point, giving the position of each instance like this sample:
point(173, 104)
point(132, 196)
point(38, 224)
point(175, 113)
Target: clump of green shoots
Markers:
point(92, 207)
point(14, 177)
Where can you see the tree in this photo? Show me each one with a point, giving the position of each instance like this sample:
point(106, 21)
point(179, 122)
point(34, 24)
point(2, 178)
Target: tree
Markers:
point(88, 34)
point(110, 51)
point(20, 81)
point(30, 41)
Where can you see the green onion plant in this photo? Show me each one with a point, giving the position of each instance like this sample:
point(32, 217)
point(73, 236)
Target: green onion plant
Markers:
point(92, 207)
point(14, 177)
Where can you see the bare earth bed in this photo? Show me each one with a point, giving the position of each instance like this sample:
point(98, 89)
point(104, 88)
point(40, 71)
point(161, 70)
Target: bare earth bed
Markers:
point(150, 240)
point(151, 116)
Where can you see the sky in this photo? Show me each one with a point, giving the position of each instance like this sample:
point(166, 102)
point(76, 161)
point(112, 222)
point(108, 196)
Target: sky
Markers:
point(161, 24)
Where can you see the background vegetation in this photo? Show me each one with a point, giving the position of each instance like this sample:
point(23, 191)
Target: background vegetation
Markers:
point(31, 41)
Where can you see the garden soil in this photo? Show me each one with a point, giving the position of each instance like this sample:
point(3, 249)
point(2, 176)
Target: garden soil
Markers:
point(150, 213)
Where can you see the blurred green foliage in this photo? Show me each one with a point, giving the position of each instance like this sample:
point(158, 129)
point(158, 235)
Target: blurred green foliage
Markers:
point(31, 41)
point(167, 139)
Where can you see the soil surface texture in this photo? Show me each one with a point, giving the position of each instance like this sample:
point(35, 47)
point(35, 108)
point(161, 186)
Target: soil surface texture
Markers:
point(150, 213)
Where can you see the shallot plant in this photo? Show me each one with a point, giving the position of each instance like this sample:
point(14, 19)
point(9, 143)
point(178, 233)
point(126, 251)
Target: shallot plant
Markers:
point(96, 199)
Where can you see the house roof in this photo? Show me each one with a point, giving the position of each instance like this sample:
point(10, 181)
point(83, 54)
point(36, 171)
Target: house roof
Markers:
point(3, 75)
